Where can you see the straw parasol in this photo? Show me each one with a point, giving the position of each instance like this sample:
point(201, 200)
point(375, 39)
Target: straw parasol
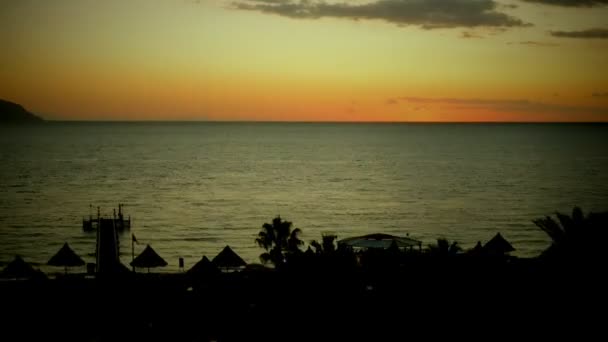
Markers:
point(498, 246)
point(18, 268)
point(148, 258)
point(203, 267)
point(65, 257)
point(227, 258)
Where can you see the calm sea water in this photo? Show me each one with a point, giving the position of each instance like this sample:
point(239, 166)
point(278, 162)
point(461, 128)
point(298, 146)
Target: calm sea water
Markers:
point(192, 188)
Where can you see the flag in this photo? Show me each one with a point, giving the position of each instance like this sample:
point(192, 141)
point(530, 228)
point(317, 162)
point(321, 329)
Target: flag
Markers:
point(133, 238)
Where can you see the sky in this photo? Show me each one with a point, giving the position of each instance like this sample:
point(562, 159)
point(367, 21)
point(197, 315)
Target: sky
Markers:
point(309, 60)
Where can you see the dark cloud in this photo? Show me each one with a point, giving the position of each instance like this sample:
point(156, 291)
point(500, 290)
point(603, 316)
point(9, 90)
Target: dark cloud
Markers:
point(571, 3)
point(467, 35)
point(428, 14)
point(600, 94)
point(271, 1)
point(459, 101)
point(517, 106)
point(509, 6)
point(533, 43)
point(595, 33)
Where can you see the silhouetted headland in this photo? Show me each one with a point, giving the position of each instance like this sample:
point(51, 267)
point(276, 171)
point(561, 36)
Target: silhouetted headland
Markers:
point(13, 113)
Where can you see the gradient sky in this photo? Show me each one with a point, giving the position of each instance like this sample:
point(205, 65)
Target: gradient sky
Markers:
point(382, 60)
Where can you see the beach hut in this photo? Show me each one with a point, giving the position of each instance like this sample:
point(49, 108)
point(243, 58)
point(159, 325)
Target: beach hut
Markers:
point(18, 268)
point(148, 258)
point(498, 246)
point(380, 241)
point(65, 257)
point(228, 259)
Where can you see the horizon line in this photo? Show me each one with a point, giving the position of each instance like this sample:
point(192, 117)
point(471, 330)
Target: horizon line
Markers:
point(321, 122)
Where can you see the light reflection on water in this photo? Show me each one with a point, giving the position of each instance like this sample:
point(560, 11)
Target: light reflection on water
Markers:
point(192, 188)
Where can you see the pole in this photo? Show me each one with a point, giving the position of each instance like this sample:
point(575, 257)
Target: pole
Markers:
point(132, 252)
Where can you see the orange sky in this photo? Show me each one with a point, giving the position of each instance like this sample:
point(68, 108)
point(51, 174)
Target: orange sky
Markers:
point(457, 60)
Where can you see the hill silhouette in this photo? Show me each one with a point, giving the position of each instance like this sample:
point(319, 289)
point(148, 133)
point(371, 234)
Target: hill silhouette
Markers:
point(14, 113)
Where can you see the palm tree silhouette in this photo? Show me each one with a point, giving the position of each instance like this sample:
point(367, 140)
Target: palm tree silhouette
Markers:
point(575, 236)
point(278, 238)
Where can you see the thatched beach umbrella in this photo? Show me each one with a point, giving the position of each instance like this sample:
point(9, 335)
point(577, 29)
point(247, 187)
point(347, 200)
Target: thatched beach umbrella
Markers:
point(65, 257)
point(203, 267)
point(227, 258)
point(477, 250)
point(18, 268)
point(498, 246)
point(148, 258)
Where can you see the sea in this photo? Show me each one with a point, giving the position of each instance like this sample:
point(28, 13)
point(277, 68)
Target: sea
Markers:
point(192, 188)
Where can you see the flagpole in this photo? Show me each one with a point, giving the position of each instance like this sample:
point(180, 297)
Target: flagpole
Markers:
point(132, 251)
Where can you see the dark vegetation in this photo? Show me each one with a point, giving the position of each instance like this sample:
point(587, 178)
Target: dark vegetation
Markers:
point(335, 292)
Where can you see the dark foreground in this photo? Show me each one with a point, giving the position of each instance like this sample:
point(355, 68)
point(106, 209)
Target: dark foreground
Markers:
point(522, 300)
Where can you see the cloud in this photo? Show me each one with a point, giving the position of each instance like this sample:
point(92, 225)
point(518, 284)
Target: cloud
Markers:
point(509, 6)
point(428, 14)
point(600, 94)
point(468, 35)
point(594, 33)
point(508, 106)
point(571, 3)
point(533, 43)
point(461, 101)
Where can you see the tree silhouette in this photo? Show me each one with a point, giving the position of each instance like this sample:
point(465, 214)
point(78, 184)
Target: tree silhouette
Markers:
point(443, 248)
point(576, 236)
point(278, 239)
point(327, 245)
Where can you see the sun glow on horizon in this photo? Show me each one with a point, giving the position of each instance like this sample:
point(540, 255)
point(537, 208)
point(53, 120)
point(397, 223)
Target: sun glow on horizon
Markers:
point(163, 60)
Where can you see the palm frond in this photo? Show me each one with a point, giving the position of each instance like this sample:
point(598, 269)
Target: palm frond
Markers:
point(566, 222)
point(264, 240)
point(576, 235)
point(294, 237)
point(282, 229)
point(549, 226)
